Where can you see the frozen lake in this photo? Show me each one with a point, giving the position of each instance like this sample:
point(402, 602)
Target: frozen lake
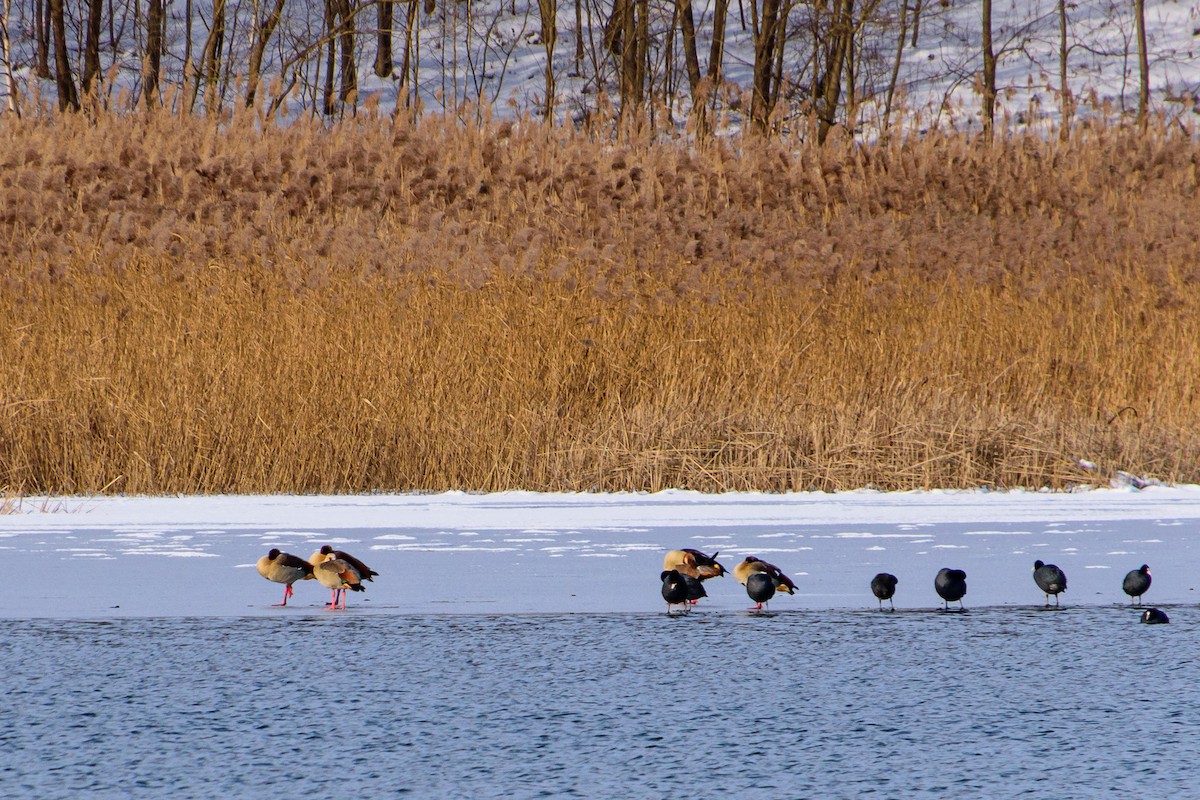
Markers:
point(516, 646)
point(521, 552)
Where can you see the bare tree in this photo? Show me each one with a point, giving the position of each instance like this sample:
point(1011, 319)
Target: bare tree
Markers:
point(989, 72)
point(828, 89)
point(1064, 87)
point(10, 85)
point(691, 59)
point(263, 30)
point(91, 46)
point(155, 22)
point(383, 38)
point(716, 55)
point(766, 39)
point(41, 31)
point(891, 90)
point(548, 10)
point(68, 98)
point(1139, 12)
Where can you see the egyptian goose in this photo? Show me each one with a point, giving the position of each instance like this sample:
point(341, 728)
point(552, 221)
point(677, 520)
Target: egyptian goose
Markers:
point(364, 572)
point(284, 568)
point(754, 566)
point(337, 575)
point(693, 563)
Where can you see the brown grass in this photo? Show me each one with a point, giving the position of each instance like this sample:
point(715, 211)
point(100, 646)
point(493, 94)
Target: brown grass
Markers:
point(389, 307)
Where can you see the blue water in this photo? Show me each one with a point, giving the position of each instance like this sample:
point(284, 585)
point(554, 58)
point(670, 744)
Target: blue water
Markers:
point(1000, 702)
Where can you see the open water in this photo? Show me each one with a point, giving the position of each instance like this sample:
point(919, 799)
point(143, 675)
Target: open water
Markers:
point(996, 702)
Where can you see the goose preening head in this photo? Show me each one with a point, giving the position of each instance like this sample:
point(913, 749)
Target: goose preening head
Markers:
point(951, 585)
point(1136, 583)
point(756, 566)
point(675, 588)
point(694, 563)
point(337, 575)
point(365, 573)
point(284, 568)
point(883, 586)
point(1155, 616)
point(1050, 579)
point(761, 588)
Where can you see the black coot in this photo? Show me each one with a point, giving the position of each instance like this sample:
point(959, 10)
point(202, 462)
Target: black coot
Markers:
point(695, 588)
point(761, 588)
point(1137, 582)
point(951, 585)
point(1155, 616)
point(883, 586)
point(1050, 579)
point(674, 588)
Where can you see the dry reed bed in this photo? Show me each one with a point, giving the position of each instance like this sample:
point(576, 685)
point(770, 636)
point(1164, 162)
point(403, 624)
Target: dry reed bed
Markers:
point(386, 307)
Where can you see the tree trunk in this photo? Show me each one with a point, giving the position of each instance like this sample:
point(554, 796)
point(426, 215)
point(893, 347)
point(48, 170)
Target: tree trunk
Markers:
point(407, 87)
point(68, 98)
point(1139, 11)
point(841, 32)
point(989, 73)
point(628, 41)
point(91, 46)
point(691, 59)
point(548, 9)
point(41, 27)
point(614, 29)
point(330, 56)
point(716, 55)
point(764, 60)
point(1064, 87)
point(210, 58)
point(154, 48)
point(383, 39)
point(578, 37)
point(262, 38)
point(10, 85)
point(891, 90)
point(349, 83)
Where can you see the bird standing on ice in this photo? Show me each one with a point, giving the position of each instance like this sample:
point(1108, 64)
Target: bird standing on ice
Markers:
point(756, 566)
point(337, 575)
point(284, 568)
point(365, 573)
point(951, 585)
point(675, 589)
point(1137, 583)
point(883, 586)
point(693, 563)
point(761, 588)
point(1050, 579)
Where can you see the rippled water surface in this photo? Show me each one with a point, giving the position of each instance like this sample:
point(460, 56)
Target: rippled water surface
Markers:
point(999, 702)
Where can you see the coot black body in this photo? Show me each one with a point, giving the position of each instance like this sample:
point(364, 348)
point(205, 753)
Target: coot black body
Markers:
point(1155, 616)
point(1136, 583)
point(951, 585)
point(761, 588)
point(1050, 579)
point(883, 586)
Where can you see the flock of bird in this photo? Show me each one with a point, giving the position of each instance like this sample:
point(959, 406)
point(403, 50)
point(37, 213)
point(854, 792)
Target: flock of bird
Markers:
point(336, 570)
point(683, 576)
point(684, 573)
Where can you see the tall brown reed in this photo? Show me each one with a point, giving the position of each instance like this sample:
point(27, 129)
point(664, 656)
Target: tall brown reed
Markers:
point(381, 306)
